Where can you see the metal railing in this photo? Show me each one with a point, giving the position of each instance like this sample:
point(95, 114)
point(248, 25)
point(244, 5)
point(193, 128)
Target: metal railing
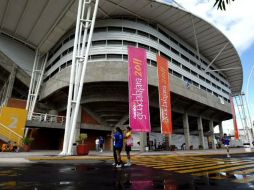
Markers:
point(10, 135)
point(44, 117)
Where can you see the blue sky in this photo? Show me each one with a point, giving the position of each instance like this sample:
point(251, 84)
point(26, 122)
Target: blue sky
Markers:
point(238, 25)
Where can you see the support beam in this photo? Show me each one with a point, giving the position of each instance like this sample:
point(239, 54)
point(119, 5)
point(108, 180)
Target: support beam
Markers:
point(201, 132)
point(216, 56)
point(212, 136)
point(220, 130)
point(143, 141)
point(186, 130)
point(86, 16)
point(35, 83)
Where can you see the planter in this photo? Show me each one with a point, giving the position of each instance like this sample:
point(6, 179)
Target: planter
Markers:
point(82, 149)
point(26, 148)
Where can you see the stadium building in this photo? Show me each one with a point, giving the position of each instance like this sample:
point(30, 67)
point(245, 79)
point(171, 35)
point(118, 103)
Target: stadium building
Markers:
point(204, 68)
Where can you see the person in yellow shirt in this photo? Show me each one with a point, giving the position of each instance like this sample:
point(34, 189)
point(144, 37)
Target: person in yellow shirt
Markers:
point(128, 144)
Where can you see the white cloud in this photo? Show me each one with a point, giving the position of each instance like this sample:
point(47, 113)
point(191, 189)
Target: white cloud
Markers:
point(236, 22)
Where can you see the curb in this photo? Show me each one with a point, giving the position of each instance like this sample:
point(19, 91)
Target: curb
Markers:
point(99, 157)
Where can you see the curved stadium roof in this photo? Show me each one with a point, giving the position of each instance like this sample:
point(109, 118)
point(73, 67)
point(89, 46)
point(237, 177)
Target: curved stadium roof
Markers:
point(40, 24)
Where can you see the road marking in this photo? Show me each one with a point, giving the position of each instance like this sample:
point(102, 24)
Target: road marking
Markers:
point(246, 179)
point(224, 170)
point(242, 172)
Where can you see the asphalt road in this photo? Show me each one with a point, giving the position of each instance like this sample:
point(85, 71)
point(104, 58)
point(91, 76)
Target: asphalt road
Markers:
point(148, 173)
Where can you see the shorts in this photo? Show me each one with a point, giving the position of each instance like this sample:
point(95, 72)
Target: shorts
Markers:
point(118, 148)
point(127, 148)
point(226, 145)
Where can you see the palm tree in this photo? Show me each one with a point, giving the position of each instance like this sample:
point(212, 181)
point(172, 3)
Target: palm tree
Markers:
point(221, 4)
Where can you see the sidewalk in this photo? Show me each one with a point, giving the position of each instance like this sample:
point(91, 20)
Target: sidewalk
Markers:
point(24, 157)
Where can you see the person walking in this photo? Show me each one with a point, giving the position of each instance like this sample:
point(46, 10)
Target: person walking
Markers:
point(97, 143)
point(128, 145)
point(117, 147)
point(226, 141)
point(101, 143)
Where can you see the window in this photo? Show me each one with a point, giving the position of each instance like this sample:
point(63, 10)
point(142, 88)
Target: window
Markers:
point(153, 63)
point(100, 29)
point(129, 43)
point(176, 62)
point(114, 56)
point(164, 44)
point(174, 51)
point(143, 46)
point(202, 87)
point(62, 66)
point(125, 57)
point(153, 37)
point(114, 29)
point(162, 32)
point(193, 63)
point(114, 42)
point(191, 53)
point(202, 78)
point(170, 71)
point(207, 81)
point(129, 30)
point(194, 73)
point(164, 55)
point(185, 58)
point(195, 83)
point(153, 50)
point(141, 33)
point(186, 68)
point(208, 90)
point(183, 47)
point(177, 74)
point(99, 56)
point(65, 52)
point(68, 63)
point(99, 43)
point(173, 40)
point(215, 94)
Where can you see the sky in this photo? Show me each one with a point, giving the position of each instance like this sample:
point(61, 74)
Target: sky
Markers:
point(238, 25)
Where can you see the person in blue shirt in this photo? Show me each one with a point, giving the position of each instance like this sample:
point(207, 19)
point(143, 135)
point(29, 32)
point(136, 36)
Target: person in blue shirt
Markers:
point(101, 143)
point(118, 146)
point(226, 141)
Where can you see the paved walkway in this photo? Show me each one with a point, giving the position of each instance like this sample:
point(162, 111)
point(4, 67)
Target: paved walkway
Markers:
point(24, 157)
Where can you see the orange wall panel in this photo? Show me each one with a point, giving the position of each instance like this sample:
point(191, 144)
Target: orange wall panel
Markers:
point(16, 103)
point(86, 118)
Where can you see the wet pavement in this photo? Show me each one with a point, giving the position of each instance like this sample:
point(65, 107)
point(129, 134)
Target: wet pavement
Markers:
point(148, 173)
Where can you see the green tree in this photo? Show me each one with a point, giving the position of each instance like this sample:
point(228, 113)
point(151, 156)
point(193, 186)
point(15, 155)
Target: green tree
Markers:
point(221, 4)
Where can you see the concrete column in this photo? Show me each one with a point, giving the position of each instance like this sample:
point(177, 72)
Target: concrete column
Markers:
point(77, 130)
point(212, 134)
point(201, 132)
point(186, 130)
point(143, 141)
point(221, 130)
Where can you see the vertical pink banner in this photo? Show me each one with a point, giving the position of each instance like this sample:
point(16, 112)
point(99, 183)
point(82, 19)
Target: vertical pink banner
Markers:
point(234, 117)
point(139, 115)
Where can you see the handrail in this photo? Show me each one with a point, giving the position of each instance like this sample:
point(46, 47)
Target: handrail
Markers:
point(11, 131)
point(44, 117)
